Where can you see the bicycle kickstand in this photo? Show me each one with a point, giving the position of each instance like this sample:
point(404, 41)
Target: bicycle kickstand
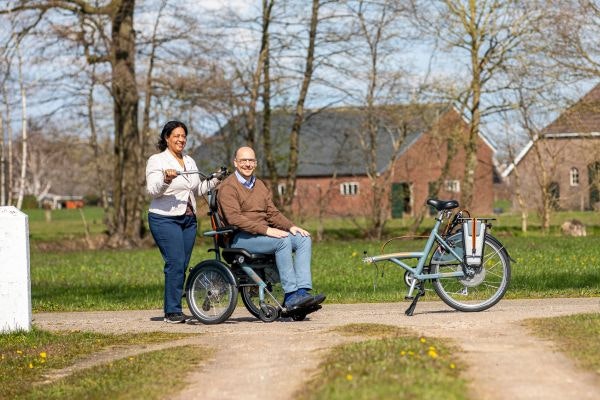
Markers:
point(409, 311)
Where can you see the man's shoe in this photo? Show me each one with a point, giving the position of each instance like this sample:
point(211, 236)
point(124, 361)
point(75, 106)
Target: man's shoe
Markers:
point(317, 299)
point(175, 318)
point(297, 299)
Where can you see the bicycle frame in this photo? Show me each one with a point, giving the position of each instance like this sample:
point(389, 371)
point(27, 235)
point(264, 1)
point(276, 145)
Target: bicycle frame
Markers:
point(417, 272)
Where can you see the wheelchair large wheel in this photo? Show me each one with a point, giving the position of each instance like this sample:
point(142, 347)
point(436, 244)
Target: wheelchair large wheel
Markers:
point(211, 292)
point(482, 290)
point(251, 301)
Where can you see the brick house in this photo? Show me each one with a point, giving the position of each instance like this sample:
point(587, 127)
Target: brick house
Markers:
point(570, 151)
point(332, 175)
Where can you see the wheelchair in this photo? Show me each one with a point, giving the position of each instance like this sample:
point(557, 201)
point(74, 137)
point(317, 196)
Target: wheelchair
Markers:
point(212, 286)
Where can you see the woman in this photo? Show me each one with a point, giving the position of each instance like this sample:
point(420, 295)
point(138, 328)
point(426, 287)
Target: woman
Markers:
point(172, 213)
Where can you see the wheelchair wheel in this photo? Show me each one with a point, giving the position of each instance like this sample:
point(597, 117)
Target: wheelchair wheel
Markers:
point(251, 301)
point(211, 292)
point(268, 313)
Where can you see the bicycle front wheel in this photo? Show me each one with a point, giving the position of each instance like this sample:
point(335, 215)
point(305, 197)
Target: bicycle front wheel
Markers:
point(211, 292)
point(482, 290)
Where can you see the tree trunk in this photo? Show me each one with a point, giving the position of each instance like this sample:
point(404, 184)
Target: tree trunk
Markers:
point(2, 165)
point(23, 134)
point(290, 187)
point(125, 218)
point(9, 152)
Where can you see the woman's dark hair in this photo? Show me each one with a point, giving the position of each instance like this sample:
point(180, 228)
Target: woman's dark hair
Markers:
point(166, 132)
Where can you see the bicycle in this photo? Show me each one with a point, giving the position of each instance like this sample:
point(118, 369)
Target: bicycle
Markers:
point(469, 268)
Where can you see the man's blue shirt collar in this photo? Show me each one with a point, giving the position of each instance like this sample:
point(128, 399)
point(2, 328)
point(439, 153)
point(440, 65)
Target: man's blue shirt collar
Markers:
point(247, 183)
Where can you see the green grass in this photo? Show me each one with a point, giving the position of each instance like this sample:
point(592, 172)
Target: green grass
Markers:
point(133, 279)
point(25, 357)
point(64, 224)
point(139, 377)
point(578, 336)
point(547, 266)
point(397, 366)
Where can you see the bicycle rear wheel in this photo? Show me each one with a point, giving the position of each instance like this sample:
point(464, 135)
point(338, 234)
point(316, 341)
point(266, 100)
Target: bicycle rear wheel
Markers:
point(211, 292)
point(484, 289)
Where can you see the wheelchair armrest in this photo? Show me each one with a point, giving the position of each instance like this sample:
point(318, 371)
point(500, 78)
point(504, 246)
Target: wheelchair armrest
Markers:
point(222, 230)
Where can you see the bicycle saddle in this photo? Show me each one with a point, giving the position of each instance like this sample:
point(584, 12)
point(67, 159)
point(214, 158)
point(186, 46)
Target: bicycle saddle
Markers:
point(442, 204)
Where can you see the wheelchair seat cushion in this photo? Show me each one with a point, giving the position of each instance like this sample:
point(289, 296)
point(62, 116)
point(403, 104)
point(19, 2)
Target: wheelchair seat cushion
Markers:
point(230, 254)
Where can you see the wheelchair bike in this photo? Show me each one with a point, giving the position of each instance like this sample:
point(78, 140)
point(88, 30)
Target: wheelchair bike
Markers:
point(212, 286)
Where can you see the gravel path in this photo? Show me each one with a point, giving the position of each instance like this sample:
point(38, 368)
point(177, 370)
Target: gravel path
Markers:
point(256, 360)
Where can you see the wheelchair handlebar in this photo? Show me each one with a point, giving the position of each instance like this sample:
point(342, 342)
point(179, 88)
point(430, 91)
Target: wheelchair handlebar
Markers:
point(220, 174)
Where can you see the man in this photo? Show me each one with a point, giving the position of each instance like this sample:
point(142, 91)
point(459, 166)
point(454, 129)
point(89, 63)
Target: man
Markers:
point(246, 202)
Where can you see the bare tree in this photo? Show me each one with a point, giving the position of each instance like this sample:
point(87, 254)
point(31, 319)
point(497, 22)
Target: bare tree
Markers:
point(21, 192)
point(125, 218)
point(488, 34)
point(377, 29)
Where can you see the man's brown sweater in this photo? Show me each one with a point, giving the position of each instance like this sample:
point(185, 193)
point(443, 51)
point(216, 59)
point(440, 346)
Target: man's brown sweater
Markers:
point(251, 210)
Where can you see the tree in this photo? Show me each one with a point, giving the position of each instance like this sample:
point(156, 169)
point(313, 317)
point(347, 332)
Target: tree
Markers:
point(124, 220)
point(376, 31)
point(489, 34)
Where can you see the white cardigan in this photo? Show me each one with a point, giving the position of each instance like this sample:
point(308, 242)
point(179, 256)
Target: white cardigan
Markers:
point(171, 199)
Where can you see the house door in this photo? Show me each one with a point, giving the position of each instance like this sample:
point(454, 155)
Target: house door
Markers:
point(594, 183)
point(400, 199)
point(554, 191)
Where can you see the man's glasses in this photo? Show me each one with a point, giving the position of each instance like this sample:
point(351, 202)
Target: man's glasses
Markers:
point(246, 161)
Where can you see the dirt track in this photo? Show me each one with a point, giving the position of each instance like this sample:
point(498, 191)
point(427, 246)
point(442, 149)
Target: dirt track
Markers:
point(255, 360)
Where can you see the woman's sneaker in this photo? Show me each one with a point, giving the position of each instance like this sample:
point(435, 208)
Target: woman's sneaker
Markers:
point(175, 318)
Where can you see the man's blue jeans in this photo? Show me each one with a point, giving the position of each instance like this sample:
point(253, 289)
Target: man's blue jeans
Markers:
point(175, 237)
point(294, 272)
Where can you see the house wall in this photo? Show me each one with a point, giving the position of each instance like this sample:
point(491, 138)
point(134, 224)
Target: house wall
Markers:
point(559, 157)
point(424, 161)
point(421, 164)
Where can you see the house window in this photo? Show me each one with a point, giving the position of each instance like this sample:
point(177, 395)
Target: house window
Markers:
point(452, 186)
point(574, 176)
point(281, 189)
point(349, 188)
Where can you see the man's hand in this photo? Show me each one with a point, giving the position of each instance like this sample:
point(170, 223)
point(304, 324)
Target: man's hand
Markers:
point(295, 229)
point(276, 233)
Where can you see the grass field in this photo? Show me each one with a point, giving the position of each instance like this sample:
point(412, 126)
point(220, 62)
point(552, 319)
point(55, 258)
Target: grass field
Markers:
point(546, 266)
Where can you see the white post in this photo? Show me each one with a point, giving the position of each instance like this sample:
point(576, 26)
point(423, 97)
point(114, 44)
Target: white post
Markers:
point(15, 282)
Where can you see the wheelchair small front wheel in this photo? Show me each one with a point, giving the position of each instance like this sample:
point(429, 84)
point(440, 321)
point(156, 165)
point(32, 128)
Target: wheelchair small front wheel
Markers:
point(251, 299)
point(211, 292)
point(268, 313)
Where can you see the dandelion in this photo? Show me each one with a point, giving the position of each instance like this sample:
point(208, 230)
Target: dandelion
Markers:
point(422, 340)
point(19, 352)
point(411, 353)
point(43, 354)
point(130, 358)
point(403, 353)
point(452, 366)
point(354, 254)
point(30, 365)
point(349, 377)
point(432, 353)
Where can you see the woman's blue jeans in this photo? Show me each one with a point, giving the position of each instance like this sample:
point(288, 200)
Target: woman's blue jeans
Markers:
point(294, 272)
point(175, 237)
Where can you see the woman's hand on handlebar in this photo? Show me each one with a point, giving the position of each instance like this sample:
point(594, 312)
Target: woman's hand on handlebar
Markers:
point(169, 175)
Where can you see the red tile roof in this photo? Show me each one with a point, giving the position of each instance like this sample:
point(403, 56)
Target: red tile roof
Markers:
point(582, 117)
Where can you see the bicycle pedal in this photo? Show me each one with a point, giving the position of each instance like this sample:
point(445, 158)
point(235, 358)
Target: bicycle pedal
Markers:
point(409, 297)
